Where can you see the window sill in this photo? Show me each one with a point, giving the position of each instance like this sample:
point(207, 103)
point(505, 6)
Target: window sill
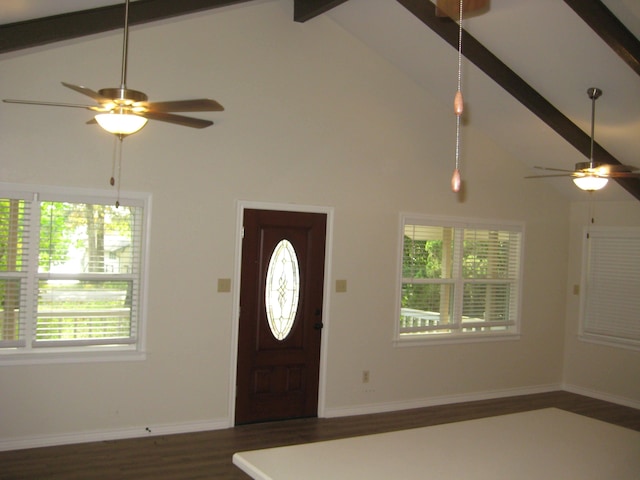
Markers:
point(610, 341)
point(12, 359)
point(424, 340)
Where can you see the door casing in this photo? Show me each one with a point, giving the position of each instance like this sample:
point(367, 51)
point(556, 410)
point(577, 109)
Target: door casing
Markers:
point(328, 211)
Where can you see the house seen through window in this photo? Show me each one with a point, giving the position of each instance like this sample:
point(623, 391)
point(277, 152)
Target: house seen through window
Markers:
point(458, 278)
point(70, 272)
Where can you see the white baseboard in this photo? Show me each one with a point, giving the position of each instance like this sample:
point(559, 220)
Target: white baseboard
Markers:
point(433, 401)
point(191, 427)
point(37, 441)
point(607, 397)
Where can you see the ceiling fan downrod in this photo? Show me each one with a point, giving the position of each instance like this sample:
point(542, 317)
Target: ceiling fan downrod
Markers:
point(125, 96)
point(594, 93)
point(125, 47)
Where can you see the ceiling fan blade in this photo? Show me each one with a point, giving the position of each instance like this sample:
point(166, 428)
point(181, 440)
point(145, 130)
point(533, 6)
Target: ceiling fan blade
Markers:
point(87, 91)
point(451, 8)
point(554, 169)
point(549, 176)
point(619, 168)
point(177, 119)
point(195, 105)
point(622, 175)
point(53, 104)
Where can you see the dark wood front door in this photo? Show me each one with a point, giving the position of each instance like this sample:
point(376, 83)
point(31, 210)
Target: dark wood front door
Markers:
point(280, 325)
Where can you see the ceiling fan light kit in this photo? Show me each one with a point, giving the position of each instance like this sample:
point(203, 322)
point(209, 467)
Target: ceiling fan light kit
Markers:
point(590, 183)
point(120, 122)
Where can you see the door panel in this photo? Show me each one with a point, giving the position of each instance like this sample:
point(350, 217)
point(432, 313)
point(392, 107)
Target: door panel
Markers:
point(278, 378)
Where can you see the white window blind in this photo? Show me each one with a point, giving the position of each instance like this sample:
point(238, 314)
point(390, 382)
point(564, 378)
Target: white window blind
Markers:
point(459, 277)
point(15, 221)
point(71, 271)
point(611, 285)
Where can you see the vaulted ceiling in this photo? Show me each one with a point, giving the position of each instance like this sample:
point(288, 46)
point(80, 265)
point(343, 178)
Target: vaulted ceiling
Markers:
point(530, 64)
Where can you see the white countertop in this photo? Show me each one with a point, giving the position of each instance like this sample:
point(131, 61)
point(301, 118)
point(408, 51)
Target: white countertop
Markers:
point(541, 444)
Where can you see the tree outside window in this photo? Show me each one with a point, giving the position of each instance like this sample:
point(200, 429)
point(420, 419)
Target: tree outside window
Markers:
point(458, 278)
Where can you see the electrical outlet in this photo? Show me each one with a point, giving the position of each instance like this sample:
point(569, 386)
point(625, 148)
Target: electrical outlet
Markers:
point(365, 376)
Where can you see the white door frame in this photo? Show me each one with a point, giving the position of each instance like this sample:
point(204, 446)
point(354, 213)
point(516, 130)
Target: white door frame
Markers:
point(287, 207)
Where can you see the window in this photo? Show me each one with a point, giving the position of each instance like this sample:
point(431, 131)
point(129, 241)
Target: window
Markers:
point(611, 286)
point(459, 279)
point(71, 272)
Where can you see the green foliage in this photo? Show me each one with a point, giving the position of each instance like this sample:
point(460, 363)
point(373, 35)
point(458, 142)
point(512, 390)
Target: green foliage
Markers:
point(54, 234)
point(421, 259)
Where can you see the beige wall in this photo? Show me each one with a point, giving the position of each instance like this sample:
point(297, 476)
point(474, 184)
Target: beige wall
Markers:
point(311, 118)
point(599, 370)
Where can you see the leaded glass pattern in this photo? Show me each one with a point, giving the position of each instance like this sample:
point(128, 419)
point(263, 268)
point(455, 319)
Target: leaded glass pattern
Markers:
point(282, 289)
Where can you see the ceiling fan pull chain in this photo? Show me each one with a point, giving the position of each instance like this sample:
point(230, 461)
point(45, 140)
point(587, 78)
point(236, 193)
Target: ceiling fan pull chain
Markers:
point(112, 180)
point(458, 108)
point(117, 158)
point(120, 138)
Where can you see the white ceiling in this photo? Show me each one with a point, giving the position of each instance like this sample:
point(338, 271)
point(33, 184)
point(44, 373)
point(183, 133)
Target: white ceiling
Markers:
point(543, 41)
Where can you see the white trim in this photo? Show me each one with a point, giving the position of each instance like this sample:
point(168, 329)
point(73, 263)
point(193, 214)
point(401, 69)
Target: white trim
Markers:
point(241, 205)
point(607, 397)
point(80, 354)
point(72, 355)
point(434, 401)
point(609, 341)
point(446, 339)
point(54, 192)
point(516, 226)
point(37, 441)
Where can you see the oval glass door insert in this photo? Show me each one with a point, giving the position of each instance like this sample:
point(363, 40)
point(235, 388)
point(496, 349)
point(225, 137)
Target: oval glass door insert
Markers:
point(282, 289)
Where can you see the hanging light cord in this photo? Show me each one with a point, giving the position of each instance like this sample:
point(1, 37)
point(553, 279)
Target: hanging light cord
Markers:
point(594, 95)
point(458, 107)
point(459, 115)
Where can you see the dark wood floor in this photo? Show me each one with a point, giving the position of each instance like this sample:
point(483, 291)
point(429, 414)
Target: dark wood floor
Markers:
point(207, 455)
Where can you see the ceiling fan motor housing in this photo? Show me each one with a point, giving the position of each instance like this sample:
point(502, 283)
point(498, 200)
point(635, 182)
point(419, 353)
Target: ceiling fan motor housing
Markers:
point(583, 166)
point(123, 96)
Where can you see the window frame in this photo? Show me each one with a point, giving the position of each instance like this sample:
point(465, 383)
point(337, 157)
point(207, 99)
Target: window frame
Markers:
point(457, 336)
point(66, 353)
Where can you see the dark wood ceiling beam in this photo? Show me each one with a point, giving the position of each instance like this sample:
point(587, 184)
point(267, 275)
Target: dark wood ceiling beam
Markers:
point(42, 31)
point(610, 29)
point(304, 10)
point(493, 67)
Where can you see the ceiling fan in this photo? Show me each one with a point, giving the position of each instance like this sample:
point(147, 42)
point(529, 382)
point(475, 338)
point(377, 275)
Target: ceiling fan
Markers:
point(592, 175)
point(451, 8)
point(123, 111)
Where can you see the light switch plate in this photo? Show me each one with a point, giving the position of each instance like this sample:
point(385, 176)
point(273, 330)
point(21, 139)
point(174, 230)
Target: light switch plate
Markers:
point(224, 285)
point(341, 286)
